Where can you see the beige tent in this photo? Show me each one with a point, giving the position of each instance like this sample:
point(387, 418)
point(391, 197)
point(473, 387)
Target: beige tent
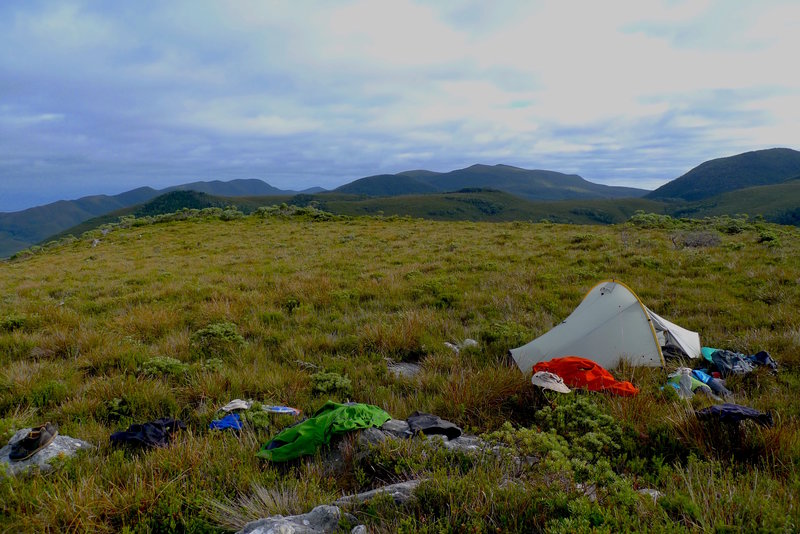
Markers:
point(611, 324)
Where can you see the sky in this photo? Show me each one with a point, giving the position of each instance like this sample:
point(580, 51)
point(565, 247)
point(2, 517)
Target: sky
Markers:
point(101, 97)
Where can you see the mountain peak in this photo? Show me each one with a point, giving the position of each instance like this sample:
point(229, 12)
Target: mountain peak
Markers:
point(749, 169)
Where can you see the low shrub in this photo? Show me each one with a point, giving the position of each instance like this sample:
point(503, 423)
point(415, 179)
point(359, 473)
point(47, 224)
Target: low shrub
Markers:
point(328, 383)
point(217, 340)
point(163, 366)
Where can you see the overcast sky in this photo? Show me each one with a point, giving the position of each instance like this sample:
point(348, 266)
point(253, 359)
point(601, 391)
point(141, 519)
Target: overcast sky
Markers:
point(106, 96)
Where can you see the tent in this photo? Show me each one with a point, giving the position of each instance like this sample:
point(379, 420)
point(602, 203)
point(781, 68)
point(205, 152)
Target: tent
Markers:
point(611, 324)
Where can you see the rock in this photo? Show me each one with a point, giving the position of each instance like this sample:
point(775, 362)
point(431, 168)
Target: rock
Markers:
point(452, 347)
point(360, 529)
point(468, 343)
point(322, 519)
point(655, 494)
point(404, 369)
point(466, 443)
point(401, 492)
point(62, 446)
point(371, 437)
point(397, 428)
point(589, 490)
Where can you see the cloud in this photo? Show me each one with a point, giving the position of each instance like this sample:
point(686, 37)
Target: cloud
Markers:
point(100, 97)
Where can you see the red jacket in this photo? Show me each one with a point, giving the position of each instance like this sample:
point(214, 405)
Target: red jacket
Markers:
point(582, 373)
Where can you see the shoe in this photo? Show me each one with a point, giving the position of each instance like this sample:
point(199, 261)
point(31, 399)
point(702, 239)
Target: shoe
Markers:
point(37, 439)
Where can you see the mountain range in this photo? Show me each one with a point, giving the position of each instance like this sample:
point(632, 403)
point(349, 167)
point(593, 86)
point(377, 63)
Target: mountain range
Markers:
point(761, 182)
point(529, 184)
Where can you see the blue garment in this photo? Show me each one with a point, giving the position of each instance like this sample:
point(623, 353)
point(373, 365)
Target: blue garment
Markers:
point(230, 421)
point(763, 358)
point(702, 376)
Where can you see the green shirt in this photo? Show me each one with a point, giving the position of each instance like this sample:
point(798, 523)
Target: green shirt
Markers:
point(333, 418)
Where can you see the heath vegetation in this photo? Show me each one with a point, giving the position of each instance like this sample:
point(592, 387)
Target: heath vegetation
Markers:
point(293, 306)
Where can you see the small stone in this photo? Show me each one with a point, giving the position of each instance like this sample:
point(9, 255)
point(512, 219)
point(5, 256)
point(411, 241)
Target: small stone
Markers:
point(655, 494)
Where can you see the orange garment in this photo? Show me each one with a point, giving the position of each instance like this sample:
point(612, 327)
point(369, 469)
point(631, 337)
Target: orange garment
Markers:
point(582, 373)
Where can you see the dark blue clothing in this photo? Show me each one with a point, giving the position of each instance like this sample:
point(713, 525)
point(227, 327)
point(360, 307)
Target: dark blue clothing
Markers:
point(763, 358)
point(734, 413)
point(231, 421)
point(153, 434)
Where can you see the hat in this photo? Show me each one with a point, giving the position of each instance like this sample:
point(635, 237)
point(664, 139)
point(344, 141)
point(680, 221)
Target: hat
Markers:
point(546, 380)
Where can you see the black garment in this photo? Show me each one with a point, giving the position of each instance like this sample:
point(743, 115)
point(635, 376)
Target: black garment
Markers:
point(153, 434)
point(734, 413)
point(432, 424)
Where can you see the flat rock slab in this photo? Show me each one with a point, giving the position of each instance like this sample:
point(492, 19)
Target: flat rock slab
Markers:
point(60, 447)
point(401, 492)
point(404, 369)
point(322, 519)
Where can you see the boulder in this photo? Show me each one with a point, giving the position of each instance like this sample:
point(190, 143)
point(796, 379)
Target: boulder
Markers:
point(62, 446)
point(397, 428)
point(322, 519)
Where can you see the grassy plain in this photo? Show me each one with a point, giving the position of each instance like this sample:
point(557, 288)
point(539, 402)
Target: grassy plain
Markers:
point(96, 335)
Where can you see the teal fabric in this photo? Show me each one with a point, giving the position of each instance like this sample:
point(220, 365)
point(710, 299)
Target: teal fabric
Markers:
point(305, 438)
point(707, 352)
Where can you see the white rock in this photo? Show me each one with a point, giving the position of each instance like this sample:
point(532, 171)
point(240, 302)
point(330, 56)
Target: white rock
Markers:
point(62, 446)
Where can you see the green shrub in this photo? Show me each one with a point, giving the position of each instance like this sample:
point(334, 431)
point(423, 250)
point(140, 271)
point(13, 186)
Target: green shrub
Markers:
point(504, 335)
point(217, 340)
point(230, 214)
point(163, 366)
point(769, 237)
point(327, 383)
point(9, 323)
point(290, 304)
point(653, 220)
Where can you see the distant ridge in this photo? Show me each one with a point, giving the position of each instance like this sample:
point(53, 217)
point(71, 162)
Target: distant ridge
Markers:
point(232, 188)
point(425, 193)
point(528, 184)
point(386, 185)
point(750, 169)
point(21, 229)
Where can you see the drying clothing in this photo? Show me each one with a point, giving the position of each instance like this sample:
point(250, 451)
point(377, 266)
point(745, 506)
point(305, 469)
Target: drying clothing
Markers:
point(582, 373)
point(237, 404)
point(763, 358)
point(283, 410)
point(675, 381)
point(231, 421)
point(432, 424)
point(306, 437)
point(716, 385)
point(153, 434)
point(734, 413)
point(731, 363)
